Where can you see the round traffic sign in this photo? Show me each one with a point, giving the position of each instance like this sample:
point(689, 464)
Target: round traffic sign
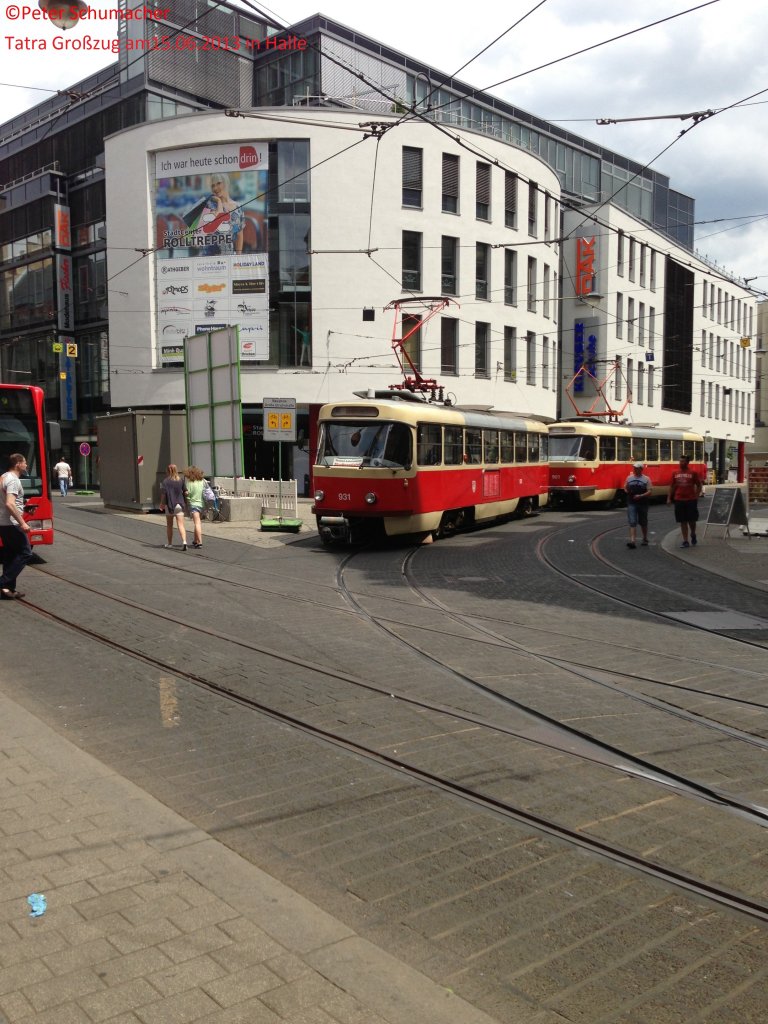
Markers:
point(85, 448)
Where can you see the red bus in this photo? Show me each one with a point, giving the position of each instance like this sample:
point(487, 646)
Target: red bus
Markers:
point(23, 430)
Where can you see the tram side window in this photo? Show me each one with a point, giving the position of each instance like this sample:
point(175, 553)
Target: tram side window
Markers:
point(677, 450)
point(544, 446)
point(429, 444)
point(688, 449)
point(652, 449)
point(607, 449)
point(665, 450)
point(698, 451)
point(533, 447)
point(588, 450)
point(624, 449)
point(507, 445)
point(473, 446)
point(491, 446)
point(521, 448)
point(638, 449)
point(453, 453)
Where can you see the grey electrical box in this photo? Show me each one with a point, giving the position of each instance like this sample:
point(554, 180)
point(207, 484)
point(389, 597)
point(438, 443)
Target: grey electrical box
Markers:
point(135, 449)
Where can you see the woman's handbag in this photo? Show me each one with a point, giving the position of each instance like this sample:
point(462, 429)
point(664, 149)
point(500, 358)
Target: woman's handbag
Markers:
point(208, 492)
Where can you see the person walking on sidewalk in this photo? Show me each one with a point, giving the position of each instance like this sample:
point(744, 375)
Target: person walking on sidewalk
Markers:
point(63, 471)
point(14, 531)
point(637, 488)
point(684, 491)
point(173, 501)
point(196, 502)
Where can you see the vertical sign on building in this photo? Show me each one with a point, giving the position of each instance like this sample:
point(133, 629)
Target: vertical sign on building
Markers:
point(65, 322)
point(586, 276)
point(585, 339)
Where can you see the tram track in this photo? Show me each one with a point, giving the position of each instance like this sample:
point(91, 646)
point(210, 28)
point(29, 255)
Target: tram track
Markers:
point(719, 895)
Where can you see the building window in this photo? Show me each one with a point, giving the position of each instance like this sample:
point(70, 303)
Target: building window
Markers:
point(530, 358)
point(704, 297)
point(450, 183)
point(510, 199)
point(632, 259)
point(643, 267)
point(412, 176)
point(545, 303)
point(510, 353)
point(653, 270)
point(448, 345)
point(510, 277)
point(533, 198)
point(412, 261)
point(631, 321)
point(449, 268)
point(545, 362)
point(412, 338)
point(531, 284)
point(482, 343)
point(703, 348)
point(651, 328)
point(702, 399)
point(482, 270)
point(483, 191)
point(630, 371)
point(641, 324)
point(641, 383)
point(618, 379)
point(547, 217)
point(651, 375)
point(619, 315)
point(620, 254)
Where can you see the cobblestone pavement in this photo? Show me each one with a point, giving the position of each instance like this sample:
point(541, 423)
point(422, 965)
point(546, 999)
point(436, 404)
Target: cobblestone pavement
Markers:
point(153, 919)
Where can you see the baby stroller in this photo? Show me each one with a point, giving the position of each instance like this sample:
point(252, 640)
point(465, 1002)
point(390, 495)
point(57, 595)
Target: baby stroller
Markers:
point(212, 511)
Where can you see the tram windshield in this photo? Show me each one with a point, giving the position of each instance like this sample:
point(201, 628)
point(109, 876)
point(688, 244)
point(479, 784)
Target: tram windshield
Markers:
point(571, 447)
point(378, 445)
point(18, 434)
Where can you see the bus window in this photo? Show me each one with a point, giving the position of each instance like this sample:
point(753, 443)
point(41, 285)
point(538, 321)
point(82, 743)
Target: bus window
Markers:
point(473, 445)
point(638, 449)
point(507, 445)
point(688, 449)
point(665, 450)
point(588, 450)
point(453, 454)
point(607, 449)
point(652, 449)
point(624, 449)
point(491, 446)
point(677, 450)
point(521, 448)
point(429, 444)
point(533, 447)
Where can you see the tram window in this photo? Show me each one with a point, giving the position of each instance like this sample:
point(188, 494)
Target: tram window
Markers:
point(521, 448)
point(453, 453)
point(588, 450)
point(544, 446)
point(564, 449)
point(365, 444)
point(638, 449)
point(698, 451)
point(473, 446)
point(688, 449)
point(429, 444)
point(677, 450)
point(624, 449)
point(507, 444)
point(533, 447)
point(491, 446)
point(607, 449)
point(652, 449)
point(665, 450)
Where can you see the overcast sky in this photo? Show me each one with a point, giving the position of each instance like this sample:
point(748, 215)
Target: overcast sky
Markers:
point(705, 60)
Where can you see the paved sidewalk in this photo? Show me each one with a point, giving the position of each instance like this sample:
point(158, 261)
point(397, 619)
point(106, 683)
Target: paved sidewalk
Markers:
point(151, 920)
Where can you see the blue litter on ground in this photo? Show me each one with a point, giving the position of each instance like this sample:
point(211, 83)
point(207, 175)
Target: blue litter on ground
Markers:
point(38, 904)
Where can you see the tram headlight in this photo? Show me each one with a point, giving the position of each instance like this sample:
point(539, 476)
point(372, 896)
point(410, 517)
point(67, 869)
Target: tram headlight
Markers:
point(370, 498)
point(319, 495)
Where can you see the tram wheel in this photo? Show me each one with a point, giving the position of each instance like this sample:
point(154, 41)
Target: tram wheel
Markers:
point(526, 507)
point(619, 500)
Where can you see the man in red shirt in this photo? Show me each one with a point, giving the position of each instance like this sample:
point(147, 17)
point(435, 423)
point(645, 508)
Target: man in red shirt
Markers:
point(684, 491)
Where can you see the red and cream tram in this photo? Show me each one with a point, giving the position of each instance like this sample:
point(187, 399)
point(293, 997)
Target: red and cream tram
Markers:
point(394, 464)
point(589, 460)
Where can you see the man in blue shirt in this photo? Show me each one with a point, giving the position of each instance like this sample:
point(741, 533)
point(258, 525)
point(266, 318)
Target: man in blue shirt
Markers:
point(637, 488)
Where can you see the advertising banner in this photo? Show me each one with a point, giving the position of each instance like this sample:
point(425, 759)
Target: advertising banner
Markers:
point(212, 268)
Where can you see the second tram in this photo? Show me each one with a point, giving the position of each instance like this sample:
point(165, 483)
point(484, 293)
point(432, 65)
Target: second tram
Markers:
point(589, 461)
point(23, 430)
point(393, 465)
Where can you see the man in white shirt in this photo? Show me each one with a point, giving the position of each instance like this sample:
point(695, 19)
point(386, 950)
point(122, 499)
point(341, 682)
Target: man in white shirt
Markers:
point(14, 531)
point(63, 471)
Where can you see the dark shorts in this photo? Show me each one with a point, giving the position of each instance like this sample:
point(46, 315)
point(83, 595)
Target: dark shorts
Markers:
point(637, 512)
point(687, 511)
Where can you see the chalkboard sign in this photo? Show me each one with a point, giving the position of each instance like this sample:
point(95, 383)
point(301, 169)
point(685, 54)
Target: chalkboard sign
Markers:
point(727, 507)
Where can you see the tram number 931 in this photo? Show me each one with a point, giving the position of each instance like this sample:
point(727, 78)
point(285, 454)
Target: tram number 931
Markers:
point(345, 496)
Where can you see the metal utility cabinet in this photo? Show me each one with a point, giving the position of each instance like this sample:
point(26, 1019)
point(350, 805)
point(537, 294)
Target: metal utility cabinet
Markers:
point(135, 449)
